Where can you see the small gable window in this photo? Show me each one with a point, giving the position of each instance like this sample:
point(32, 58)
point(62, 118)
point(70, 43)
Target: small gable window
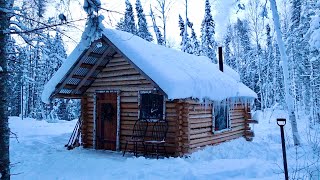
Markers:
point(151, 106)
point(221, 119)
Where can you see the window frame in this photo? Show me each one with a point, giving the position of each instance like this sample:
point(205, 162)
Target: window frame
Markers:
point(152, 92)
point(228, 128)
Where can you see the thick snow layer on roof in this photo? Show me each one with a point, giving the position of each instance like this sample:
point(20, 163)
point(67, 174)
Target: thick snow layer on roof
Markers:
point(230, 72)
point(178, 74)
point(245, 91)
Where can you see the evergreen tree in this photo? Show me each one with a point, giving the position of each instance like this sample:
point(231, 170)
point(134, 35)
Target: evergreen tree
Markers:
point(228, 56)
point(185, 40)
point(143, 31)
point(245, 52)
point(279, 79)
point(304, 65)
point(14, 78)
point(294, 52)
point(268, 74)
point(208, 43)
point(128, 23)
point(194, 42)
point(314, 58)
point(181, 27)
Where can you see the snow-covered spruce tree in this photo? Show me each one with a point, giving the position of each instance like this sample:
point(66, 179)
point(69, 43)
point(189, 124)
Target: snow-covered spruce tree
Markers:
point(14, 78)
point(267, 72)
point(185, 44)
point(228, 57)
point(278, 75)
point(127, 23)
point(208, 43)
point(289, 98)
point(195, 44)
point(304, 66)
point(143, 31)
point(4, 124)
point(314, 58)
point(160, 39)
point(294, 53)
point(245, 50)
point(181, 27)
point(54, 55)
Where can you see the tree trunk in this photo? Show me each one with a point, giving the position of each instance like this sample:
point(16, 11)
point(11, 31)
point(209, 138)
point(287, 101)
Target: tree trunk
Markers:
point(284, 58)
point(4, 125)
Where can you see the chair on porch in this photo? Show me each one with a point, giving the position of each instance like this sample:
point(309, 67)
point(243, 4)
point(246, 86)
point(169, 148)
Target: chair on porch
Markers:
point(138, 136)
point(158, 138)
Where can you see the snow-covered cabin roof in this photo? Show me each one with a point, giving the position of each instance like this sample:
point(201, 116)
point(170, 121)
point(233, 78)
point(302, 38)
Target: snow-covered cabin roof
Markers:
point(179, 75)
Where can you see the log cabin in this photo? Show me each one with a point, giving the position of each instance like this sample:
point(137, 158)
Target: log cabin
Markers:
point(126, 78)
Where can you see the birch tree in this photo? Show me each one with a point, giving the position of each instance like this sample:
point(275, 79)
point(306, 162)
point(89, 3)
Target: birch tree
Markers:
point(160, 39)
point(284, 58)
point(162, 8)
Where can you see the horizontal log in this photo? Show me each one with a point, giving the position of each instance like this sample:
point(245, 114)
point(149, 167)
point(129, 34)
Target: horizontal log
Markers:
point(197, 106)
point(251, 121)
point(113, 64)
point(128, 88)
point(122, 83)
point(196, 116)
point(121, 78)
point(236, 113)
point(129, 110)
point(200, 120)
point(117, 68)
point(118, 59)
point(118, 73)
point(235, 121)
point(129, 105)
point(170, 104)
point(215, 139)
point(133, 114)
point(201, 125)
point(200, 112)
point(201, 135)
point(202, 130)
point(236, 116)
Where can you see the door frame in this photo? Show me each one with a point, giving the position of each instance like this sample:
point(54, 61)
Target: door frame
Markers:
point(95, 117)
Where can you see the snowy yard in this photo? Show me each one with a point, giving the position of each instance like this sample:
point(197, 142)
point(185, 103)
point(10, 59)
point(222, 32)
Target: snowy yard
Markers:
point(40, 154)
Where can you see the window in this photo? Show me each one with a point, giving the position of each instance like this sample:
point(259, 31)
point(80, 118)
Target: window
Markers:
point(221, 117)
point(151, 106)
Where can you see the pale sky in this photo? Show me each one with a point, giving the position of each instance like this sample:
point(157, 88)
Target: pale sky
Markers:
point(221, 10)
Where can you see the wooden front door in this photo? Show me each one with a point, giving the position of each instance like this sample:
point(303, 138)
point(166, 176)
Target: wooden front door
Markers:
point(106, 130)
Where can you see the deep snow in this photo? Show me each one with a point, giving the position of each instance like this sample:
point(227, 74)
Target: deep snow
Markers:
point(40, 154)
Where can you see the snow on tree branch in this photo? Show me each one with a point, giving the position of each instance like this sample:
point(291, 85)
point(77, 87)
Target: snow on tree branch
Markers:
point(91, 6)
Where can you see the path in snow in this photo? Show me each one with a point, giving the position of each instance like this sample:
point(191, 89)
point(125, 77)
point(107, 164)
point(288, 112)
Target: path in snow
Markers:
point(41, 155)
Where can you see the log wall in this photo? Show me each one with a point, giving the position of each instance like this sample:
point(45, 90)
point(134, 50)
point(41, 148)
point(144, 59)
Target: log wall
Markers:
point(190, 123)
point(120, 75)
point(199, 124)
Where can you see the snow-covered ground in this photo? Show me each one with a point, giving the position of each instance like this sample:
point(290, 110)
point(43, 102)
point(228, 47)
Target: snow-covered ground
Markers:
point(40, 154)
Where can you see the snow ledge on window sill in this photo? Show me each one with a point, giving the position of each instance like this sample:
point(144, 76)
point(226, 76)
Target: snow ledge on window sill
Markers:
point(222, 131)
